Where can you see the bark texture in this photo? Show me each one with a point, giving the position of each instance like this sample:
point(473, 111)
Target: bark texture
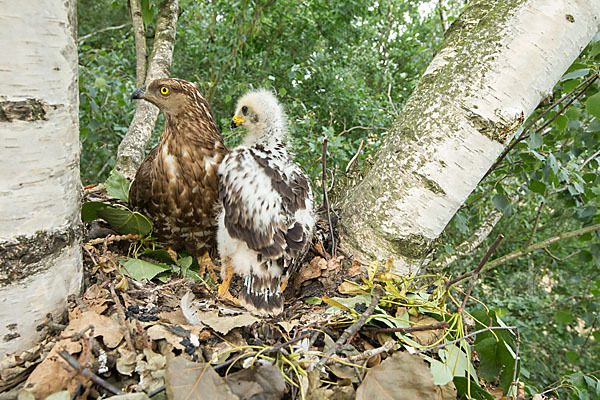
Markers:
point(132, 148)
point(40, 189)
point(498, 61)
point(139, 33)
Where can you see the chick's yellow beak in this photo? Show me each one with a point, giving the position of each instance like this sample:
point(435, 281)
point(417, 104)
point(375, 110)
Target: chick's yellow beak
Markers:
point(236, 121)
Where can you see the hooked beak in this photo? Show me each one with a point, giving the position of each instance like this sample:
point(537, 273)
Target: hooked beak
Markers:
point(138, 93)
point(236, 121)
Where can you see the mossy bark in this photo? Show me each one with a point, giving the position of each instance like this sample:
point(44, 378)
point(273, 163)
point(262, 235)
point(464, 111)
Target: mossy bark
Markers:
point(498, 60)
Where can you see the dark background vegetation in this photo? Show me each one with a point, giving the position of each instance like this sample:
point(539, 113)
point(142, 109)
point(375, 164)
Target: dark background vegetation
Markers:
point(343, 70)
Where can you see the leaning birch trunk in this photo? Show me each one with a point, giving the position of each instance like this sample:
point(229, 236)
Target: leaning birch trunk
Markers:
point(498, 61)
point(40, 251)
point(132, 148)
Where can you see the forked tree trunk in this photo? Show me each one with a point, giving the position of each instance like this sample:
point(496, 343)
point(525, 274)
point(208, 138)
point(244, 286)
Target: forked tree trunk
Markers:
point(499, 59)
point(40, 252)
point(132, 148)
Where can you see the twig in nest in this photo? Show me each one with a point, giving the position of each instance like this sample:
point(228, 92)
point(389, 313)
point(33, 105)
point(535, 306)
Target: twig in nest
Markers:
point(439, 325)
point(114, 238)
point(378, 292)
point(273, 349)
point(122, 319)
point(326, 198)
point(365, 355)
point(86, 372)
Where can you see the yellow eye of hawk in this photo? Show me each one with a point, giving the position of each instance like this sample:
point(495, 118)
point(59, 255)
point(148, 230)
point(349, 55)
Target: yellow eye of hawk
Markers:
point(164, 90)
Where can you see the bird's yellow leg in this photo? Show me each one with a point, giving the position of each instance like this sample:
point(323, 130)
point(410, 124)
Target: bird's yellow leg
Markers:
point(224, 287)
point(283, 285)
point(206, 265)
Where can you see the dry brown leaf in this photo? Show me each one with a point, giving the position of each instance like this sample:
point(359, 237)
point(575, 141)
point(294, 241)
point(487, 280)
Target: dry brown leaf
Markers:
point(224, 324)
point(426, 338)
point(189, 380)
point(265, 382)
point(126, 360)
point(54, 374)
point(348, 287)
point(104, 326)
point(402, 376)
point(446, 392)
point(354, 269)
point(311, 270)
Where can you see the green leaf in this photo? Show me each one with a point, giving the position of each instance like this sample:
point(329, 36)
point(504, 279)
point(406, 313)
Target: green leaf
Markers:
point(147, 12)
point(500, 202)
point(89, 210)
point(572, 357)
point(140, 269)
point(100, 83)
point(579, 73)
point(537, 187)
point(592, 105)
point(117, 186)
point(159, 255)
point(314, 300)
point(563, 317)
point(442, 373)
point(561, 122)
point(125, 221)
point(468, 391)
point(535, 141)
point(596, 336)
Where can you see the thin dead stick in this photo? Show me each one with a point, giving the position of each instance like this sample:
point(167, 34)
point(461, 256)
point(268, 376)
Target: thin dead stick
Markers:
point(475, 273)
point(470, 335)
point(365, 355)
point(110, 28)
point(86, 372)
point(378, 292)
point(122, 319)
point(273, 349)
point(432, 327)
point(522, 136)
point(325, 197)
point(481, 263)
point(355, 155)
point(514, 380)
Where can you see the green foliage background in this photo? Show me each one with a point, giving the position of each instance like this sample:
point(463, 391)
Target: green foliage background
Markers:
point(342, 65)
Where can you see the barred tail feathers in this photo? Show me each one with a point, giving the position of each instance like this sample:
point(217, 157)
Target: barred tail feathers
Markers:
point(262, 295)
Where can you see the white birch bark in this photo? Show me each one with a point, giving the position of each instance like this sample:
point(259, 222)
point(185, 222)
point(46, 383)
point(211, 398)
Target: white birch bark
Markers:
point(131, 151)
point(40, 256)
point(498, 61)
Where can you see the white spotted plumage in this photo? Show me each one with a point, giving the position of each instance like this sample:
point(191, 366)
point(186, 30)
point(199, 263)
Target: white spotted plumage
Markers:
point(266, 222)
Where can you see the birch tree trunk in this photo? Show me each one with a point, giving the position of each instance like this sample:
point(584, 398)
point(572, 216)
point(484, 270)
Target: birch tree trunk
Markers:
point(40, 251)
point(498, 61)
point(131, 151)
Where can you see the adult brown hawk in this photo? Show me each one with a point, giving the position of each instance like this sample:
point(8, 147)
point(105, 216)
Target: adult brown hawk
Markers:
point(176, 185)
point(266, 223)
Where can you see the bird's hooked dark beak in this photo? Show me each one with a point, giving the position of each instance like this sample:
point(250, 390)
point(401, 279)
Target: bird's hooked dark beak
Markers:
point(138, 93)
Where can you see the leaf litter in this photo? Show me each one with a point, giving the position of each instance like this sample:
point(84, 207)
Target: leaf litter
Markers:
point(156, 329)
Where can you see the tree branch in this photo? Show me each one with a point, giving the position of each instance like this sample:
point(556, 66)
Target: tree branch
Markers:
point(132, 148)
point(110, 28)
point(540, 245)
point(139, 34)
point(378, 292)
